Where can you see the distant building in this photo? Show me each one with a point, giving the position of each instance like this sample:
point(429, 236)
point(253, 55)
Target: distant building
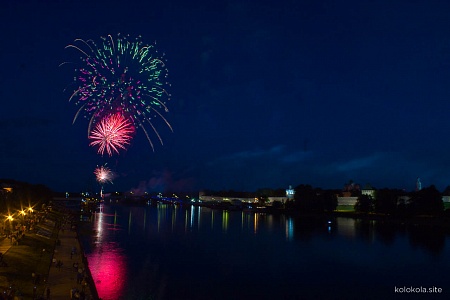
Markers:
point(418, 184)
point(346, 203)
point(404, 199)
point(368, 190)
point(279, 199)
point(345, 199)
point(290, 192)
point(351, 187)
point(205, 198)
point(6, 187)
point(446, 201)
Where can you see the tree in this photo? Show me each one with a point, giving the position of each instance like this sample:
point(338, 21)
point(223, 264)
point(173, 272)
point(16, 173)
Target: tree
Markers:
point(309, 199)
point(386, 201)
point(446, 192)
point(263, 200)
point(364, 204)
point(305, 198)
point(426, 201)
point(328, 200)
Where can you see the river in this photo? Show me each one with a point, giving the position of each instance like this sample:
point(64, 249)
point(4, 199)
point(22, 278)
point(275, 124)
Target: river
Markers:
point(171, 252)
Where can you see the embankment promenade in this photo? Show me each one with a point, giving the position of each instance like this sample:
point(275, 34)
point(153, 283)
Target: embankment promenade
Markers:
point(46, 261)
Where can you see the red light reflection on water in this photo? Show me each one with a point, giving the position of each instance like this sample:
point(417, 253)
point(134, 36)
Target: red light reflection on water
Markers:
point(107, 264)
point(108, 271)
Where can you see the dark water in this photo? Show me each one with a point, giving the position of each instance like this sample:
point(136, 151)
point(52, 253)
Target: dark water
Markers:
point(168, 252)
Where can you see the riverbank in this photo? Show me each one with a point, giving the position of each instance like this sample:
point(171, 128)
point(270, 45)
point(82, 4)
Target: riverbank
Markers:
point(69, 273)
point(28, 267)
point(442, 220)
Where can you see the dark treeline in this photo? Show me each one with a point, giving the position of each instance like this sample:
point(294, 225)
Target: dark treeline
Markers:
point(427, 201)
point(309, 199)
point(15, 195)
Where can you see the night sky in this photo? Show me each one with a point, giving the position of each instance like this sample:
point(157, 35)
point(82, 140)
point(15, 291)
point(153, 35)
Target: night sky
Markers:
point(264, 94)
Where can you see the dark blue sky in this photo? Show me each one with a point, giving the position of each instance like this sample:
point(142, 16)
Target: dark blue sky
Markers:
point(264, 94)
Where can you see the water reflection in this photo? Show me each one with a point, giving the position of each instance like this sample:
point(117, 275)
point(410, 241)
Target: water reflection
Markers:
point(225, 220)
point(346, 227)
point(107, 261)
point(428, 238)
point(196, 218)
point(164, 252)
point(290, 229)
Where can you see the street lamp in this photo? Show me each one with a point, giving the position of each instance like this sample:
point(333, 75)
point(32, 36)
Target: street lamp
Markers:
point(22, 213)
point(10, 219)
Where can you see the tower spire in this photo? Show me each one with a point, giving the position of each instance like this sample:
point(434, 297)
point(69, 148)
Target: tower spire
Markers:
point(418, 184)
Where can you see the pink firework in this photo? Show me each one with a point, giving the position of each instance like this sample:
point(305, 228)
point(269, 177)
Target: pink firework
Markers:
point(112, 133)
point(103, 174)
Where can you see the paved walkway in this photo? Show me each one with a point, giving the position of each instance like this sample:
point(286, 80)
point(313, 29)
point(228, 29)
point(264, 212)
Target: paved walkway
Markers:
point(5, 244)
point(62, 280)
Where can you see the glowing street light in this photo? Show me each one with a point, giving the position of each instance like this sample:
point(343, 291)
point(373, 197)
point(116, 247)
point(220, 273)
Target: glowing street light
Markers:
point(10, 219)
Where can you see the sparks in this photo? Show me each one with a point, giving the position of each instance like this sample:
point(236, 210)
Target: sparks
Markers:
point(103, 174)
point(121, 75)
point(111, 134)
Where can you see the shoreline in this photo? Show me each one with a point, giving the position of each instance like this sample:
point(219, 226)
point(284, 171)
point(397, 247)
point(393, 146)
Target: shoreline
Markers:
point(29, 266)
point(85, 261)
point(73, 276)
point(442, 220)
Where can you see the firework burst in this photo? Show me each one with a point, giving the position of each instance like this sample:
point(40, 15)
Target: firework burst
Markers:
point(103, 174)
point(111, 134)
point(121, 75)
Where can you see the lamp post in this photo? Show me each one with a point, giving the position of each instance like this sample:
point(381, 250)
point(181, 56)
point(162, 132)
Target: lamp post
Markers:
point(10, 219)
point(30, 219)
point(22, 213)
